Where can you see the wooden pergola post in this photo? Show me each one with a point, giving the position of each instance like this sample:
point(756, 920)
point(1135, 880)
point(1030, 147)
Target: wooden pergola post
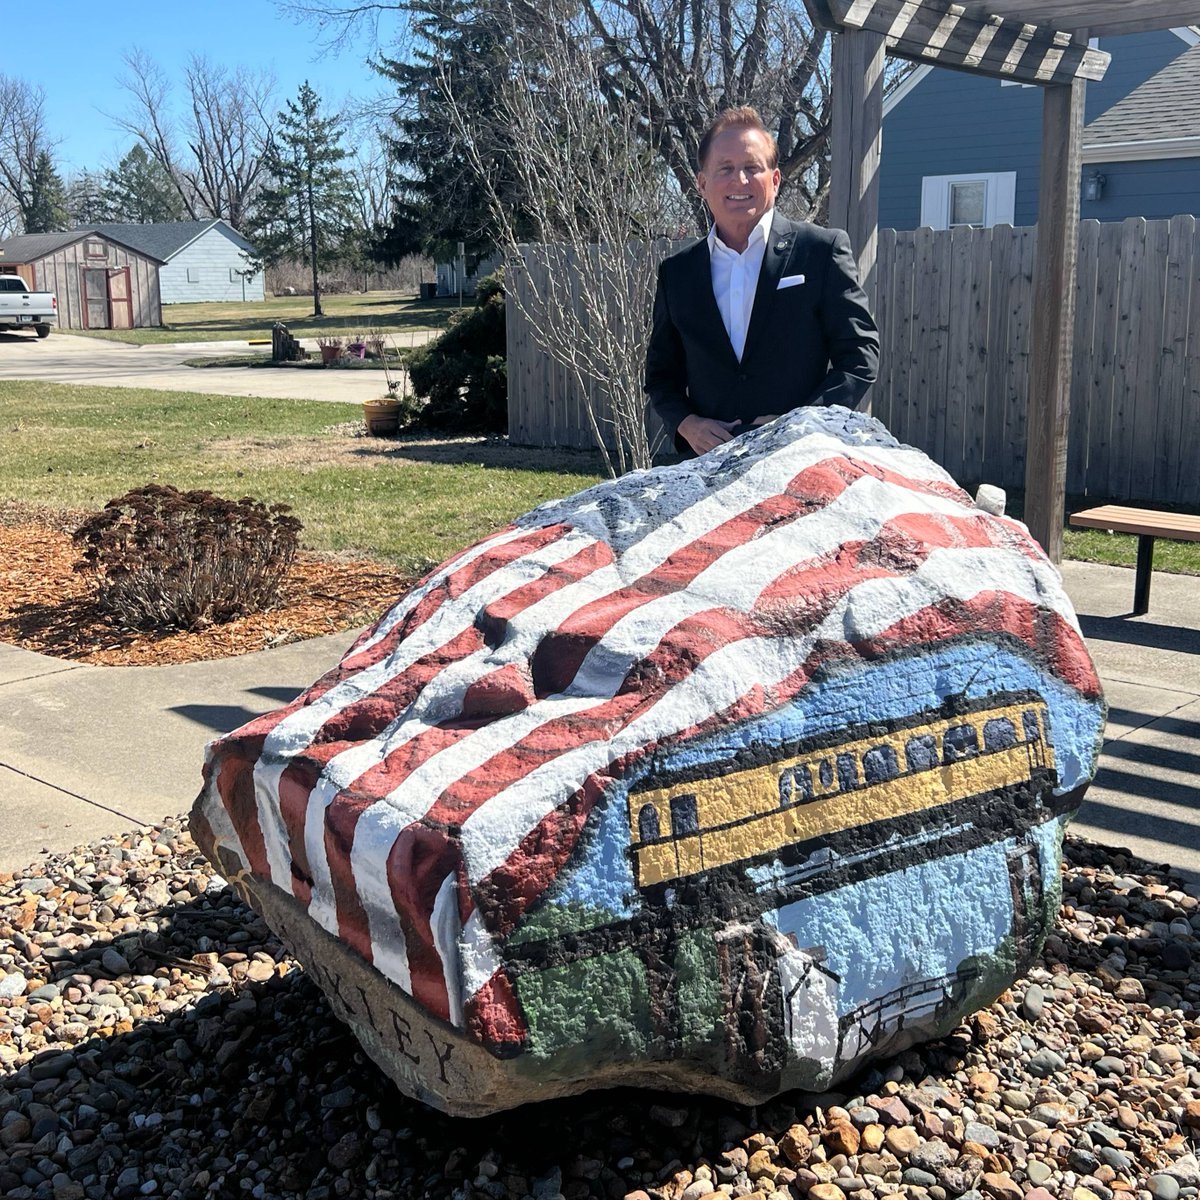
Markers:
point(1053, 314)
point(857, 140)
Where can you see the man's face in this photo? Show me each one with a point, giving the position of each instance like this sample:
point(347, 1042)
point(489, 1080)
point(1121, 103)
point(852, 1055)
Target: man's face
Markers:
point(736, 181)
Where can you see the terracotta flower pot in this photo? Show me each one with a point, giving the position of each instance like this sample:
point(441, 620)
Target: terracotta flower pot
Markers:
point(382, 417)
point(330, 353)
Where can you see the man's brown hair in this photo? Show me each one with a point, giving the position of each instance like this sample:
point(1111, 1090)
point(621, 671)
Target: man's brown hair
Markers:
point(742, 117)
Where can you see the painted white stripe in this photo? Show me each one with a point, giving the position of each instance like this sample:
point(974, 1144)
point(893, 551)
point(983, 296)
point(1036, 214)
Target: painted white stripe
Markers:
point(295, 732)
point(399, 611)
point(419, 791)
point(446, 928)
point(493, 832)
point(734, 580)
point(480, 961)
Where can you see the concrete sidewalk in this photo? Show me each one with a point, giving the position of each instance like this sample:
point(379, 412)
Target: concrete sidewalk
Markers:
point(86, 751)
point(61, 358)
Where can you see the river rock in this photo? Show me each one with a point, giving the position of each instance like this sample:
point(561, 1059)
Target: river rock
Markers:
point(725, 777)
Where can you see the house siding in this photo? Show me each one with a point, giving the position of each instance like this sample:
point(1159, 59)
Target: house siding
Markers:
point(1154, 188)
point(62, 274)
point(210, 257)
point(955, 123)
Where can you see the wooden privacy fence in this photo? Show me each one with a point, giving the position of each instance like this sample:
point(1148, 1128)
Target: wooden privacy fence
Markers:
point(954, 308)
point(954, 315)
point(545, 407)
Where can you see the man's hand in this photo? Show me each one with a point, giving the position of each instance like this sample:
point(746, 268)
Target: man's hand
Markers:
point(704, 433)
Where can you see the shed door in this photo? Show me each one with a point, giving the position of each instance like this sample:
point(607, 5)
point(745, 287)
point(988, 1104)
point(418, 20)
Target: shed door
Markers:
point(95, 297)
point(120, 299)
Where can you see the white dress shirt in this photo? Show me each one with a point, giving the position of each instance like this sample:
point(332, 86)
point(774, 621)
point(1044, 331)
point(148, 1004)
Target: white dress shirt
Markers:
point(735, 279)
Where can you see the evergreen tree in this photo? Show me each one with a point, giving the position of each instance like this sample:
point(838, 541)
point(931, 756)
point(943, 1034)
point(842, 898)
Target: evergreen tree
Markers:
point(140, 192)
point(456, 46)
point(86, 204)
point(47, 212)
point(307, 209)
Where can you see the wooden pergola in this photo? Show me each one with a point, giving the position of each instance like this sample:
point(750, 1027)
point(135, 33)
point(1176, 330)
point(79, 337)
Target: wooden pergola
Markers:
point(1041, 42)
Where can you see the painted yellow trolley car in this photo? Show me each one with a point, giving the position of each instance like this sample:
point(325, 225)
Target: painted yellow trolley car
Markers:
point(820, 792)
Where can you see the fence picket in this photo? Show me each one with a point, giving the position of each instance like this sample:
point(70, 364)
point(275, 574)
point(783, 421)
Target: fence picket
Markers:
point(953, 311)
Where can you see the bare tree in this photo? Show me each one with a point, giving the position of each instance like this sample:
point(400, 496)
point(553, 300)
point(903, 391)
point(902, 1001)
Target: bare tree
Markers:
point(25, 152)
point(676, 62)
point(213, 153)
point(597, 196)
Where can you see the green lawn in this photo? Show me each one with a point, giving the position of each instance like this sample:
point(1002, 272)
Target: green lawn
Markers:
point(395, 313)
point(412, 503)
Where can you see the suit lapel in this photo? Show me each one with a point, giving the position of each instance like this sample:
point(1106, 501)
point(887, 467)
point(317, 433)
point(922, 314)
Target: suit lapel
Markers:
point(775, 258)
point(701, 287)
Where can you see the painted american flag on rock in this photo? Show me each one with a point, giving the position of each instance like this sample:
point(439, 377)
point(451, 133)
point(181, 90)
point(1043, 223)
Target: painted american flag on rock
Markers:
point(425, 794)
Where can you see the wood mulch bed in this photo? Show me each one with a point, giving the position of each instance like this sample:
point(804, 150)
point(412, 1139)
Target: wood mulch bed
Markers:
point(47, 606)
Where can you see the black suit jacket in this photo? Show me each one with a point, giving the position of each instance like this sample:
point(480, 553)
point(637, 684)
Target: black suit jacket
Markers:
point(812, 343)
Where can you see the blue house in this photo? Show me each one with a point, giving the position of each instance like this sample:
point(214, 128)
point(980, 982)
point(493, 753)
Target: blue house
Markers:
point(962, 149)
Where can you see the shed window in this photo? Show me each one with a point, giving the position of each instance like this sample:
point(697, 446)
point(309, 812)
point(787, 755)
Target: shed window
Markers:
point(233, 275)
point(93, 248)
point(193, 274)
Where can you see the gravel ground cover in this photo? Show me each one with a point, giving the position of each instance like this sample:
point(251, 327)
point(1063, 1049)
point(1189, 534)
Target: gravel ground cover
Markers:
point(156, 1040)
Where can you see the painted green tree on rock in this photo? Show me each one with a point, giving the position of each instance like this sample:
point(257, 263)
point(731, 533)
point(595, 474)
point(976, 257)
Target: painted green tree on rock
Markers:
point(307, 208)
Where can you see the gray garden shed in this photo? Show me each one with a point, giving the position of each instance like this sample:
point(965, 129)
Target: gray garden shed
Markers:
point(202, 260)
point(100, 282)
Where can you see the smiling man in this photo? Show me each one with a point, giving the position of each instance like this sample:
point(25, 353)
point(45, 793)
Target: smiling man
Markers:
point(765, 314)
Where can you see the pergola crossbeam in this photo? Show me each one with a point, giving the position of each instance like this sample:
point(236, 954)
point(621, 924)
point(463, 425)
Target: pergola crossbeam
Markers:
point(947, 35)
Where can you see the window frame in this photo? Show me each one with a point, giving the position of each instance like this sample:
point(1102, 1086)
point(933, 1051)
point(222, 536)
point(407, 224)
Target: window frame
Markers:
point(999, 200)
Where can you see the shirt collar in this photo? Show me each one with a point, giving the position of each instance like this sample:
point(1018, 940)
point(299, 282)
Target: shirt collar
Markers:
point(760, 233)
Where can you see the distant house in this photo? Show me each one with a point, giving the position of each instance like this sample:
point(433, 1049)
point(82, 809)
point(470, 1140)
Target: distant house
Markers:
point(101, 281)
point(202, 260)
point(962, 149)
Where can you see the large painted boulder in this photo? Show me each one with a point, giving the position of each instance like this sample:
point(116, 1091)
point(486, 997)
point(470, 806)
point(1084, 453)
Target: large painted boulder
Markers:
point(720, 777)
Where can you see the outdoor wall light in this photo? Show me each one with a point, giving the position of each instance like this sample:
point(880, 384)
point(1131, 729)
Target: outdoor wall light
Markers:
point(1093, 186)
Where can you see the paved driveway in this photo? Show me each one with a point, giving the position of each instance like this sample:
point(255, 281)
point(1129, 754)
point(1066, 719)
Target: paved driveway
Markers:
point(62, 358)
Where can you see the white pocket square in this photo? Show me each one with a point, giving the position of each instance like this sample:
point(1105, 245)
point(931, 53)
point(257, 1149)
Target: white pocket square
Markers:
point(790, 281)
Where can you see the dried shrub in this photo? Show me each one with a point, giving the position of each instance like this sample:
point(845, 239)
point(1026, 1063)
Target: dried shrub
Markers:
point(165, 559)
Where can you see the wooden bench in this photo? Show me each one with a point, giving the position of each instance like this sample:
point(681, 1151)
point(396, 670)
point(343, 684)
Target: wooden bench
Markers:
point(1147, 524)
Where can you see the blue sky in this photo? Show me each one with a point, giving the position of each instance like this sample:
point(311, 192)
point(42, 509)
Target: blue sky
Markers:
point(73, 50)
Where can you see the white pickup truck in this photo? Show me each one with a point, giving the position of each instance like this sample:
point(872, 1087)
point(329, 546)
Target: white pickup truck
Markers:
point(22, 309)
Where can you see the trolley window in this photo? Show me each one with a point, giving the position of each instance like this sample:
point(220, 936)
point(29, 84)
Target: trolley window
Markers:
point(999, 733)
point(920, 753)
point(959, 741)
point(648, 823)
point(880, 765)
point(795, 786)
point(1029, 720)
point(825, 771)
point(684, 816)
point(847, 770)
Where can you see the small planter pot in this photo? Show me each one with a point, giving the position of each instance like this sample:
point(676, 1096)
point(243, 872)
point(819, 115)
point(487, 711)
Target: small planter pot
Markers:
point(356, 350)
point(331, 353)
point(382, 417)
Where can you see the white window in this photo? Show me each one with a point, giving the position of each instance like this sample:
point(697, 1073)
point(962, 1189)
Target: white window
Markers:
point(193, 274)
point(981, 199)
point(233, 275)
